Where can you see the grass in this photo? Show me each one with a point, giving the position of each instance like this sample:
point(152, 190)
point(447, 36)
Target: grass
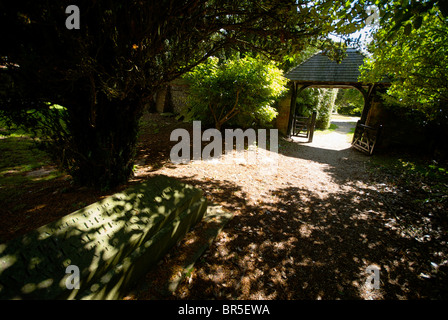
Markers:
point(351, 132)
point(337, 116)
point(20, 154)
point(333, 127)
point(330, 129)
point(19, 157)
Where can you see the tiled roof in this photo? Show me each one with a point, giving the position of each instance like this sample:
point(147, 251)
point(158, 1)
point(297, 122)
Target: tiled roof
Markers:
point(320, 68)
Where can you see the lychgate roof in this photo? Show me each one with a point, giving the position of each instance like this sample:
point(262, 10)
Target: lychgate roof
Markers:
point(320, 69)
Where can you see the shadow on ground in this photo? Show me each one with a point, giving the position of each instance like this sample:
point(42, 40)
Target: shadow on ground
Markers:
point(297, 245)
point(302, 244)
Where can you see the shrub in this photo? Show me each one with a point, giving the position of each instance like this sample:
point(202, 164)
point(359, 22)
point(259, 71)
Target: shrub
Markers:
point(238, 92)
point(320, 100)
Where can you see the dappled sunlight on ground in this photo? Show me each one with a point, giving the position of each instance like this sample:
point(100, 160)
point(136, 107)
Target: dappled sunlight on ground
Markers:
point(306, 226)
point(308, 231)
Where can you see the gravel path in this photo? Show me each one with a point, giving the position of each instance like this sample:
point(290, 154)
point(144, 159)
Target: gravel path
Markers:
point(310, 229)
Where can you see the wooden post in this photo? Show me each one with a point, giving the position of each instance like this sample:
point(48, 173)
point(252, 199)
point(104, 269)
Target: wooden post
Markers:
point(292, 110)
point(312, 125)
point(367, 102)
point(294, 125)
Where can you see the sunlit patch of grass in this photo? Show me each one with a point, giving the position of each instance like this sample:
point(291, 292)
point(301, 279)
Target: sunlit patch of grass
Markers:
point(330, 129)
point(20, 154)
point(19, 157)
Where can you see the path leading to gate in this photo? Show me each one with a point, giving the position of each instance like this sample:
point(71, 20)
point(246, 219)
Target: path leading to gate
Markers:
point(339, 138)
point(310, 230)
point(336, 141)
point(330, 158)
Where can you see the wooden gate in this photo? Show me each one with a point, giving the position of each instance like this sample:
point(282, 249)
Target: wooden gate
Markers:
point(365, 137)
point(304, 126)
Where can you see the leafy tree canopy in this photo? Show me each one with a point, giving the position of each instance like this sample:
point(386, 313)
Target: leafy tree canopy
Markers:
point(103, 73)
point(416, 61)
point(407, 14)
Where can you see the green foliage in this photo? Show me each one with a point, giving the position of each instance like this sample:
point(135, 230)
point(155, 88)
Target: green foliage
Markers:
point(240, 92)
point(415, 58)
point(320, 100)
point(326, 106)
point(19, 156)
point(416, 61)
point(46, 125)
point(307, 101)
point(349, 102)
point(406, 15)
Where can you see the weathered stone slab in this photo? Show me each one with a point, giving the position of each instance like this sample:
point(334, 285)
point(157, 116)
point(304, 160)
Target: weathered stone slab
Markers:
point(113, 242)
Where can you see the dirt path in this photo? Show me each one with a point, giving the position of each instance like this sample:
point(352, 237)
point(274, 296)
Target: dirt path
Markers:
point(310, 230)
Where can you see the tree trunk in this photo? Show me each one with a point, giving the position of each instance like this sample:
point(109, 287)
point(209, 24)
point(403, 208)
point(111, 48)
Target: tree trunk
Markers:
point(103, 142)
point(221, 120)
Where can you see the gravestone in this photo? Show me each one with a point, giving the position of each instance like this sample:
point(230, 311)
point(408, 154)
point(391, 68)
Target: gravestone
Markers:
point(113, 242)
